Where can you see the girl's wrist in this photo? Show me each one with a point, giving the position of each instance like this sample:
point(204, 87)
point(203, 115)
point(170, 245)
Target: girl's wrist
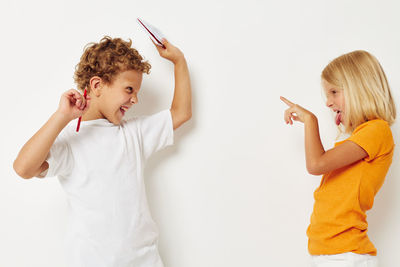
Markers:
point(310, 118)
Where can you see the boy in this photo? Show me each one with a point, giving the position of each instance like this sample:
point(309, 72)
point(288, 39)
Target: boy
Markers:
point(101, 167)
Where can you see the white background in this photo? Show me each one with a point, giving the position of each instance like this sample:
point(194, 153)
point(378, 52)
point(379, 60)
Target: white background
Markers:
point(234, 190)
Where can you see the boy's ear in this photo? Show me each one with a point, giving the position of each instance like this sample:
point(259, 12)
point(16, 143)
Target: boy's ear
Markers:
point(96, 85)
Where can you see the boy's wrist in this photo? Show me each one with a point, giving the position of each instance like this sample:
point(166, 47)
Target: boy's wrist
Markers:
point(179, 60)
point(61, 118)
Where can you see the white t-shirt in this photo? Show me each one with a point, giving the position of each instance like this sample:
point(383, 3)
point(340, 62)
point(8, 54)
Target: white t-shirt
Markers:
point(101, 170)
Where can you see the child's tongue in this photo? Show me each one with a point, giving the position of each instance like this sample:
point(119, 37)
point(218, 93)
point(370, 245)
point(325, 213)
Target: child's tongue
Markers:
point(338, 118)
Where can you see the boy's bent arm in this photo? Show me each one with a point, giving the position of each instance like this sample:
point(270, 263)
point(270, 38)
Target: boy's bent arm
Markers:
point(31, 160)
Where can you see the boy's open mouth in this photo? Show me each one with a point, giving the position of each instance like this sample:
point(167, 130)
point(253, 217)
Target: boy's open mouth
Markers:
point(123, 109)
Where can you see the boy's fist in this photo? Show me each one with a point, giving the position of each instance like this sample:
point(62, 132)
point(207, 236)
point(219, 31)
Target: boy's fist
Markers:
point(73, 104)
point(170, 51)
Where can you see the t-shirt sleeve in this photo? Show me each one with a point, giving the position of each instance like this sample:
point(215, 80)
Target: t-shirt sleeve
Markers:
point(375, 137)
point(156, 132)
point(60, 159)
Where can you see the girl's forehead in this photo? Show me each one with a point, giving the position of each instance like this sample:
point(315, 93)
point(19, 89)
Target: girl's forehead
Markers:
point(328, 86)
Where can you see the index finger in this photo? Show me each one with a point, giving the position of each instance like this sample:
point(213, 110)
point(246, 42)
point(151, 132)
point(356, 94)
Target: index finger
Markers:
point(287, 102)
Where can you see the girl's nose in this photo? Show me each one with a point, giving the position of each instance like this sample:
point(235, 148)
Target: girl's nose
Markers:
point(329, 103)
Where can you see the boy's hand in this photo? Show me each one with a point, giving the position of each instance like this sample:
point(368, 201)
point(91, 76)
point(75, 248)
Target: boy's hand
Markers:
point(73, 104)
point(170, 52)
point(295, 112)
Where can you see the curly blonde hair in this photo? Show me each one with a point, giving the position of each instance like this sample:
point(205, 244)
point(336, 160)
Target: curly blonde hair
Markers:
point(106, 60)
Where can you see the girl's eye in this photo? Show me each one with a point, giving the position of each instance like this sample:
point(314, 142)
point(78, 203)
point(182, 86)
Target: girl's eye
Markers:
point(130, 89)
point(333, 92)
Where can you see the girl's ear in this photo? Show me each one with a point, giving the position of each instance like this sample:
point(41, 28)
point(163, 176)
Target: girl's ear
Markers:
point(95, 84)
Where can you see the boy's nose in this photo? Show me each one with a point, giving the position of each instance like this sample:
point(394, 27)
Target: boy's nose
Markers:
point(134, 100)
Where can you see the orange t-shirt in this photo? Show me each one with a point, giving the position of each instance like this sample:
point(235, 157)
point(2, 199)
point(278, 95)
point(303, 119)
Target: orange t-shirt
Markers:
point(338, 222)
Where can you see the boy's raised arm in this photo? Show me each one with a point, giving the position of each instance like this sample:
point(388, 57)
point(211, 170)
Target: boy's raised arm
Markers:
point(181, 108)
point(31, 160)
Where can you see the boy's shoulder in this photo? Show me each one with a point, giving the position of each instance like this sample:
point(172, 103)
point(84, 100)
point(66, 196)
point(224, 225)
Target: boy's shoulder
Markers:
point(154, 118)
point(68, 131)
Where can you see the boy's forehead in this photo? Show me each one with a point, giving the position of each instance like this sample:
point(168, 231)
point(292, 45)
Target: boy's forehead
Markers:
point(131, 76)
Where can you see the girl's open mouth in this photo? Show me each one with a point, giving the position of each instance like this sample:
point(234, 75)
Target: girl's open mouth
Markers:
point(338, 117)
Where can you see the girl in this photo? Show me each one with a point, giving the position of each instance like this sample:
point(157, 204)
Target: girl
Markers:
point(354, 170)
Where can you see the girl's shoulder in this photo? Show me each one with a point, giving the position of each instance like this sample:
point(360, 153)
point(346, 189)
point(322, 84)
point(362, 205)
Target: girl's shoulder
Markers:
point(376, 125)
point(374, 135)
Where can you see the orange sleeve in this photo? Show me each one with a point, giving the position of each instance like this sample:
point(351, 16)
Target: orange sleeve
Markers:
point(375, 137)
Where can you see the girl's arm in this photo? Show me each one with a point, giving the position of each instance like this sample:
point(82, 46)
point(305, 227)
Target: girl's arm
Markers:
point(181, 108)
point(31, 160)
point(319, 161)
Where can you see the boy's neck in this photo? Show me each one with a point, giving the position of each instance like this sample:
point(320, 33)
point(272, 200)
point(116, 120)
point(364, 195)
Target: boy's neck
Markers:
point(92, 114)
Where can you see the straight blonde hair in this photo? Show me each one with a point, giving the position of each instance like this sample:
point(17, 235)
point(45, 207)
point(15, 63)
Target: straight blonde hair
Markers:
point(365, 87)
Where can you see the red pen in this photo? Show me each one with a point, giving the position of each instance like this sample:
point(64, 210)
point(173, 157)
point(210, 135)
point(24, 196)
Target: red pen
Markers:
point(80, 118)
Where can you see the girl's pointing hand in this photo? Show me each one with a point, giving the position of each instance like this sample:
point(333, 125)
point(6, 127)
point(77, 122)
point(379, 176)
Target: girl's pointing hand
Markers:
point(295, 112)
